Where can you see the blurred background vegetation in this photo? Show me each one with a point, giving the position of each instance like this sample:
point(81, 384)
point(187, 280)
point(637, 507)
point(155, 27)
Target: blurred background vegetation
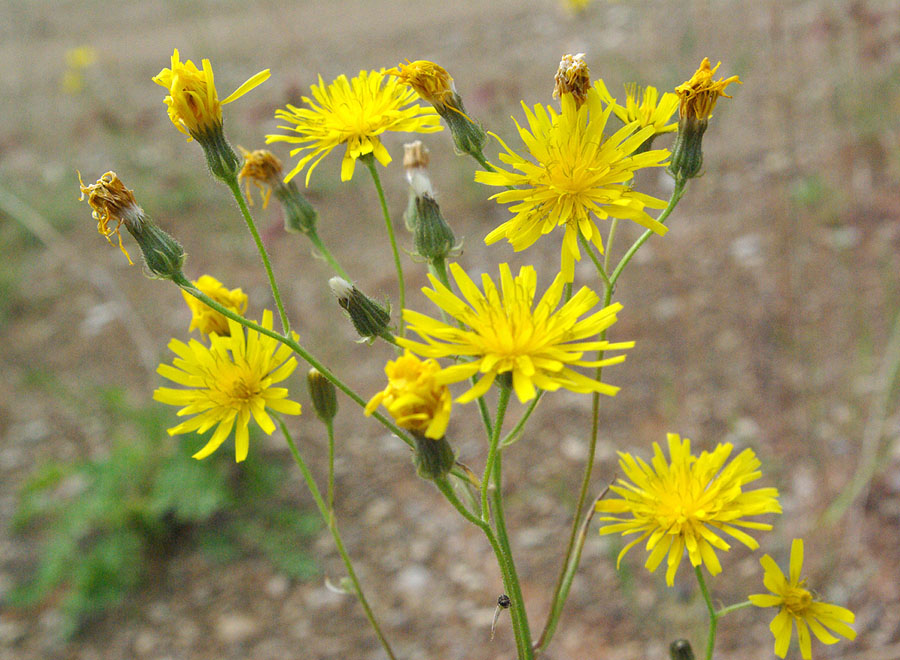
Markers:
point(763, 318)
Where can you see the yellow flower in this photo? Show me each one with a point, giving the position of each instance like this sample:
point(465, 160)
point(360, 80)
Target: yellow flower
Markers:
point(430, 81)
point(698, 95)
point(576, 174)
point(111, 201)
point(798, 608)
point(685, 504)
point(413, 396)
point(506, 333)
point(263, 170)
point(353, 113)
point(646, 107)
point(228, 382)
point(203, 317)
point(194, 105)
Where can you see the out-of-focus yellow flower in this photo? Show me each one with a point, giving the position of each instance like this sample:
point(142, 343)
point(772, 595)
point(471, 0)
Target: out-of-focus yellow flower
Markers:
point(798, 608)
point(227, 383)
point(110, 201)
point(643, 106)
point(698, 96)
point(684, 504)
point(262, 169)
point(413, 396)
point(573, 77)
point(577, 173)
point(77, 60)
point(194, 105)
point(505, 332)
point(203, 317)
point(353, 113)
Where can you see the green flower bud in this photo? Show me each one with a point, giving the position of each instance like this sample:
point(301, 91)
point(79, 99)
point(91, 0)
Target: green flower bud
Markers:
point(299, 215)
point(220, 157)
point(680, 649)
point(163, 255)
point(433, 458)
point(368, 317)
point(687, 153)
point(433, 237)
point(323, 395)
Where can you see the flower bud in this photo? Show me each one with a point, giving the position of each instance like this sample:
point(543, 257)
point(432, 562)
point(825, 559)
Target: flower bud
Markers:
point(433, 237)
point(299, 215)
point(433, 458)
point(681, 649)
point(368, 317)
point(323, 395)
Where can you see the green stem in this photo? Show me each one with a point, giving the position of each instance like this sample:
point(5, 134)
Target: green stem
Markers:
point(517, 602)
point(235, 188)
point(369, 161)
point(591, 250)
point(733, 608)
point(326, 254)
point(513, 435)
point(502, 402)
point(523, 647)
point(609, 242)
point(677, 194)
point(329, 424)
point(331, 522)
point(713, 616)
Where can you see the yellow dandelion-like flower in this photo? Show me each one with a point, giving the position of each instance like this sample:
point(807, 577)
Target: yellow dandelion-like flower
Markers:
point(687, 503)
point(506, 333)
point(111, 201)
point(203, 317)
point(413, 396)
point(576, 174)
point(194, 105)
point(643, 106)
point(798, 607)
point(227, 383)
point(262, 169)
point(698, 95)
point(353, 113)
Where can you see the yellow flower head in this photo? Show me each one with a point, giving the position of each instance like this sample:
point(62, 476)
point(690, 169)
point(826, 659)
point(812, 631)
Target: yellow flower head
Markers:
point(194, 105)
point(430, 81)
point(686, 503)
point(573, 77)
point(798, 608)
point(263, 170)
point(205, 318)
point(353, 113)
point(227, 383)
point(698, 95)
point(576, 174)
point(643, 106)
point(506, 333)
point(110, 201)
point(413, 396)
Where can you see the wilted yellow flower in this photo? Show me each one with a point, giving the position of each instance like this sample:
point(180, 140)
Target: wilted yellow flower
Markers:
point(203, 317)
point(573, 77)
point(576, 174)
point(643, 106)
point(684, 504)
point(227, 383)
point(353, 113)
point(263, 170)
point(413, 396)
point(798, 607)
point(430, 81)
point(698, 95)
point(194, 105)
point(110, 201)
point(506, 333)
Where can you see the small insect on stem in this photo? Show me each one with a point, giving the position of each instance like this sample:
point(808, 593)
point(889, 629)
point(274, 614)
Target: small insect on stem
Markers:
point(502, 604)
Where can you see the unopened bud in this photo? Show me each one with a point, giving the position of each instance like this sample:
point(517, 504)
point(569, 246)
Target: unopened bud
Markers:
point(433, 237)
point(681, 649)
point(433, 458)
point(368, 317)
point(323, 395)
point(299, 215)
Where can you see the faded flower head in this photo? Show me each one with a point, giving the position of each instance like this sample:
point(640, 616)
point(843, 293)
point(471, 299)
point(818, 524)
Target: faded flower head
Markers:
point(262, 169)
point(353, 113)
point(227, 383)
point(430, 81)
point(505, 332)
point(576, 173)
point(414, 397)
point(687, 503)
point(798, 608)
point(698, 95)
point(111, 201)
point(573, 77)
point(203, 317)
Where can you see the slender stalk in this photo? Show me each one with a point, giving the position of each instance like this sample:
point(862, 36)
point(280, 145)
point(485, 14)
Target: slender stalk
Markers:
point(609, 243)
point(517, 601)
point(523, 647)
point(713, 616)
point(235, 188)
point(733, 608)
point(677, 194)
point(369, 160)
point(513, 435)
point(313, 236)
point(591, 250)
point(329, 425)
point(330, 520)
point(493, 450)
